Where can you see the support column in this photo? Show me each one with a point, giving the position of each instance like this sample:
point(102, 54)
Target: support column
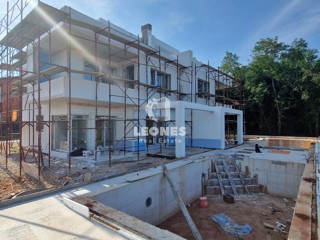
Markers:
point(240, 128)
point(222, 128)
point(91, 124)
point(180, 122)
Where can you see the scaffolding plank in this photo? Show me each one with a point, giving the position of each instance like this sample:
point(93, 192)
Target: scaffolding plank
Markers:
point(7, 67)
point(50, 71)
point(19, 55)
point(40, 20)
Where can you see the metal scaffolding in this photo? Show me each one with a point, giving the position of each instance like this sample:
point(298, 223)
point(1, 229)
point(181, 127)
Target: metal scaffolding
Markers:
point(26, 30)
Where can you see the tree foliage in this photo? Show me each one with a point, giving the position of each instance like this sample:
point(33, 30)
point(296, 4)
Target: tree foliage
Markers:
point(282, 86)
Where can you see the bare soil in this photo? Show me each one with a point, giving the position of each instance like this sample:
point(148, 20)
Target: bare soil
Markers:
point(58, 175)
point(254, 210)
point(11, 183)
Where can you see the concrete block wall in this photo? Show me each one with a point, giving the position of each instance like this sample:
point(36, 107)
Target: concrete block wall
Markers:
point(131, 198)
point(281, 178)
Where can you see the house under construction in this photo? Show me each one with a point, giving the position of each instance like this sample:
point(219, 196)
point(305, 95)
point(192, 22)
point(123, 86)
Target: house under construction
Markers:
point(83, 85)
point(75, 86)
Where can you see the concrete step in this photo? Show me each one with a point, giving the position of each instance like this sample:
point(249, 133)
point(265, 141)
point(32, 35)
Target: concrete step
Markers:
point(213, 187)
point(228, 161)
point(224, 175)
point(254, 188)
point(215, 190)
point(220, 168)
point(212, 175)
point(225, 181)
point(230, 166)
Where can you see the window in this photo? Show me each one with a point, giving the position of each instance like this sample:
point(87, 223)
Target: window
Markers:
point(90, 67)
point(105, 131)
point(203, 88)
point(79, 132)
point(108, 72)
point(160, 79)
point(44, 64)
point(60, 133)
point(129, 74)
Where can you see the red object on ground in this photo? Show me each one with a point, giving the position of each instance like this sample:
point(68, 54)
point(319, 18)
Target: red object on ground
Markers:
point(203, 202)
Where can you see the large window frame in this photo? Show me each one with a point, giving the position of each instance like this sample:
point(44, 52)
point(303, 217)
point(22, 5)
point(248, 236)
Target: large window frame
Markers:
point(203, 88)
point(160, 79)
point(60, 139)
point(89, 66)
point(129, 74)
point(103, 126)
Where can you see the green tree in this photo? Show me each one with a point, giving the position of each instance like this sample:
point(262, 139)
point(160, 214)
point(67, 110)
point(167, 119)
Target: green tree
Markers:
point(230, 63)
point(282, 85)
point(263, 79)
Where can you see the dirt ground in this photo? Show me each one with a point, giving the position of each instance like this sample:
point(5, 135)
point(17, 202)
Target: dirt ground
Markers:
point(58, 174)
point(10, 182)
point(254, 210)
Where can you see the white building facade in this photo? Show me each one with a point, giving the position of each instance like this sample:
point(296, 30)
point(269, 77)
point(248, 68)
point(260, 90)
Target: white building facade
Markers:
point(89, 81)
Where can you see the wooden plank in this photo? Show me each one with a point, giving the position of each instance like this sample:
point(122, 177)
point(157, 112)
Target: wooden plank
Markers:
point(219, 178)
point(240, 175)
point(120, 221)
point(226, 169)
point(301, 222)
point(182, 206)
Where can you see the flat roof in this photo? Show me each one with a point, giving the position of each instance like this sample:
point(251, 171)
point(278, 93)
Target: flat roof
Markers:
point(40, 20)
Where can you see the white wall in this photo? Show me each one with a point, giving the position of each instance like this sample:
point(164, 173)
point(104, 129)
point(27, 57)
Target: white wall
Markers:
point(187, 180)
point(282, 178)
point(206, 128)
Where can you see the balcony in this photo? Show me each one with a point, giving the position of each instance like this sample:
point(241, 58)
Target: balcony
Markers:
point(83, 90)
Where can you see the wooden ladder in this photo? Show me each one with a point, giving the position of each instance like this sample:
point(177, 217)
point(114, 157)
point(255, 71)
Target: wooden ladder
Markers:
point(219, 177)
point(226, 169)
point(240, 175)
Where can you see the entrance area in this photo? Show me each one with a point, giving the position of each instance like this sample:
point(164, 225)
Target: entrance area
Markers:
point(105, 132)
point(60, 133)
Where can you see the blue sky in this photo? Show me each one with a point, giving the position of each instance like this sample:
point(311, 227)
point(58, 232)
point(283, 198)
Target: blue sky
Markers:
point(209, 27)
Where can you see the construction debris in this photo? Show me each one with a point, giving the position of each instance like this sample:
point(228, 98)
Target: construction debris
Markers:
point(244, 211)
point(230, 226)
point(267, 225)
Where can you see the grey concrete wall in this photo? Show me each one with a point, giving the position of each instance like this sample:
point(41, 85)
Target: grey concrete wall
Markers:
point(131, 197)
point(282, 178)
